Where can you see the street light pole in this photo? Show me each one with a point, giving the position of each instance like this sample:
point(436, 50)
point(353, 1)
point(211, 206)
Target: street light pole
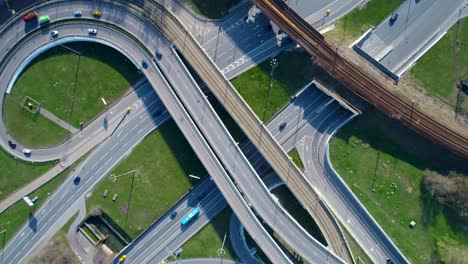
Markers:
point(3, 244)
point(129, 199)
point(221, 250)
point(274, 65)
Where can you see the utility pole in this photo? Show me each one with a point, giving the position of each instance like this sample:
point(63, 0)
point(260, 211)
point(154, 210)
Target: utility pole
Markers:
point(274, 65)
point(129, 199)
point(113, 178)
point(221, 250)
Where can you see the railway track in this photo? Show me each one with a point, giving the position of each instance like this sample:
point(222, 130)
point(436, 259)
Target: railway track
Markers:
point(361, 82)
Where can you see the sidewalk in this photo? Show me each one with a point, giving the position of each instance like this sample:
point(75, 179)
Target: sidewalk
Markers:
point(58, 121)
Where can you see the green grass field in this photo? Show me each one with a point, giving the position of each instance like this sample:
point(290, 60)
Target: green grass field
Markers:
point(212, 8)
point(440, 78)
point(209, 239)
point(33, 131)
point(163, 161)
point(296, 158)
point(50, 79)
point(293, 72)
point(15, 173)
point(354, 24)
point(15, 216)
point(383, 162)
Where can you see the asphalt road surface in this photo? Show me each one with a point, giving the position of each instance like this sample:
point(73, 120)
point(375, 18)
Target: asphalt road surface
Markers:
point(154, 246)
point(126, 45)
point(243, 174)
point(57, 12)
point(420, 24)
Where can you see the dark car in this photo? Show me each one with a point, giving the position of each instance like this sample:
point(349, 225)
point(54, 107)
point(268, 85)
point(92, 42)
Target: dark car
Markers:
point(173, 214)
point(201, 196)
point(158, 54)
point(393, 18)
point(77, 180)
point(144, 64)
point(282, 126)
point(12, 144)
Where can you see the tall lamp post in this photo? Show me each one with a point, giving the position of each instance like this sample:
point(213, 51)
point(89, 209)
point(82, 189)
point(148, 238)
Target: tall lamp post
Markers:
point(221, 251)
point(113, 178)
point(274, 65)
point(75, 81)
point(3, 244)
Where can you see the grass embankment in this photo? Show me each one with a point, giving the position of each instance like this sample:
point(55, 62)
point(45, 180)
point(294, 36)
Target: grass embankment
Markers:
point(358, 21)
point(212, 8)
point(50, 79)
point(162, 161)
point(444, 64)
point(15, 173)
point(383, 163)
point(207, 241)
point(294, 71)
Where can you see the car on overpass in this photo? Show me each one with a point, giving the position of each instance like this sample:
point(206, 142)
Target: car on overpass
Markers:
point(44, 19)
point(29, 16)
point(97, 13)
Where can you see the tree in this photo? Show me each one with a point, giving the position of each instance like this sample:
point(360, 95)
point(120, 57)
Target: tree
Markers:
point(449, 190)
point(56, 252)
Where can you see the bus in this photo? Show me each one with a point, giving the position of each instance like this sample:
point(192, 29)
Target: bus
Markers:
point(190, 216)
point(44, 19)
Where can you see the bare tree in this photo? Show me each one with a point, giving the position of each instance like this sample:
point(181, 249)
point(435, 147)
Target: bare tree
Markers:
point(56, 252)
point(448, 190)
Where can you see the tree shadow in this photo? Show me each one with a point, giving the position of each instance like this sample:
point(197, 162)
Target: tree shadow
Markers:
point(393, 138)
point(96, 51)
point(182, 151)
point(212, 8)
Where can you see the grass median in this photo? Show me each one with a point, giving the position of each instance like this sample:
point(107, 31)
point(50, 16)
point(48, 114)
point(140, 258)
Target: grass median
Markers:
point(383, 163)
point(446, 63)
point(162, 163)
point(209, 239)
point(16, 174)
point(294, 70)
point(16, 215)
point(68, 85)
point(358, 21)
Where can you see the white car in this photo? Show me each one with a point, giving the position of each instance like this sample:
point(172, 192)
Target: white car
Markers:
point(27, 151)
point(92, 31)
point(53, 34)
